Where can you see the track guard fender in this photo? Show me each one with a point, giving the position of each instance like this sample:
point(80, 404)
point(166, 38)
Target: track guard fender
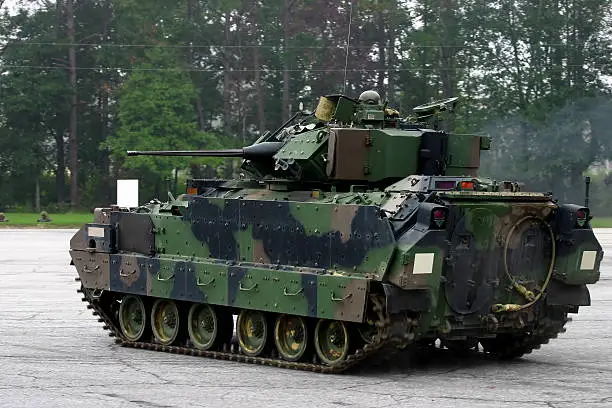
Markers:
point(561, 294)
point(402, 300)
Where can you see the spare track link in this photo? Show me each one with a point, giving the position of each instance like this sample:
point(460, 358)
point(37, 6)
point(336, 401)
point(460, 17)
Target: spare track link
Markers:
point(382, 340)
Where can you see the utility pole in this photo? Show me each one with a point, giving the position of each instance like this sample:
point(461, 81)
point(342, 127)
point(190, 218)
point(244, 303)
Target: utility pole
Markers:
point(60, 125)
point(72, 138)
point(286, 15)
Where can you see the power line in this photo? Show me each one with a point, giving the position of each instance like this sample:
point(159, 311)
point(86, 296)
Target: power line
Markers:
point(325, 70)
point(270, 46)
point(216, 70)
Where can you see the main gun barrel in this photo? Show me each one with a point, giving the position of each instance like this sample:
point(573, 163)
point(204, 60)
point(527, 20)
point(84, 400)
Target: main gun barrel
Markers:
point(257, 151)
point(189, 153)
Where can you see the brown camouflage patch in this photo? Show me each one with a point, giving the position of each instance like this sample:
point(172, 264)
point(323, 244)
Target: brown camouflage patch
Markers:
point(129, 272)
point(350, 301)
point(259, 252)
point(93, 269)
point(341, 220)
point(546, 211)
point(151, 273)
point(518, 211)
point(349, 147)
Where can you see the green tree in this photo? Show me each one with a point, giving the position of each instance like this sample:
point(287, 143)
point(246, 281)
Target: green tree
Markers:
point(246, 65)
point(34, 104)
point(541, 74)
point(156, 113)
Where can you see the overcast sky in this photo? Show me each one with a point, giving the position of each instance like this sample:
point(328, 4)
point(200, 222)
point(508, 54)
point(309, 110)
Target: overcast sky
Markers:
point(12, 5)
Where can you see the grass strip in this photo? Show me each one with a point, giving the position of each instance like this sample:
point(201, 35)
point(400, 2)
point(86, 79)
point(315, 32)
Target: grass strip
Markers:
point(30, 220)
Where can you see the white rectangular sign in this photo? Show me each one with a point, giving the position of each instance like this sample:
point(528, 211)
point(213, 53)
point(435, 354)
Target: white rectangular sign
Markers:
point(127, 193)
point(588, 260)
point(423, 263)
point(97, 232)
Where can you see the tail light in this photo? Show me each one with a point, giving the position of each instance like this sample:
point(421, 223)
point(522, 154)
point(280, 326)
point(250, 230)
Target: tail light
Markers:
point(582, 216)
point(467, 185)
point(438, 217)
point(572, 216)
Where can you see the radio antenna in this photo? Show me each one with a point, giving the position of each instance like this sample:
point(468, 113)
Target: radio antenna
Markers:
point(348, 43)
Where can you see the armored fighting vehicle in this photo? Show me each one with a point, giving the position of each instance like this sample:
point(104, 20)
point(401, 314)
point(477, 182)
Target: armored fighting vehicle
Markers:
point(350, 233)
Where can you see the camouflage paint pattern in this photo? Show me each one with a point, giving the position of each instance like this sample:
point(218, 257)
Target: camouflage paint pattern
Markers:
point(331, 296)
point(317, 257)
point(333, 215)
point(308, 259)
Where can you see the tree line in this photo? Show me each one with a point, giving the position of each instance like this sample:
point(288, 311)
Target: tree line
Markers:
point(83, 81)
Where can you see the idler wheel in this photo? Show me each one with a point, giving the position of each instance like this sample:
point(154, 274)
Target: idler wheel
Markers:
point(207, 328)
point(331, 341)
point(165, 321)
point(252, 332)
point(291, 337)
point(132, 317)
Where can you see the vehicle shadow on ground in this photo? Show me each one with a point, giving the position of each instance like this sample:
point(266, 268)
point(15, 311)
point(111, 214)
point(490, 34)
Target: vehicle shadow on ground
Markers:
point(438, 360)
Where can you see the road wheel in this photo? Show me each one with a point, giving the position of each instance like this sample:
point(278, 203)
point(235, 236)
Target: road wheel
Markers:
point(209, 328)
point(165, 321)
point(291, 337)
point(252, 332)
point(331, 341)
point(132, 317)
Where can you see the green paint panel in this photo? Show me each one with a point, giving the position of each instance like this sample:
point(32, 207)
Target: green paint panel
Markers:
point(568, 268)
point(376, 262)
point(393, 153)
point(345, 110)
point(211, 280)
point(481, 222)
point(315, 217)
point(282, 291)
point(464, 154)
point(303, 146)
point(273, 291)
point(174, 237)
point(219, 202)
point(161, 283)
point(244, 237)
point(401, 271)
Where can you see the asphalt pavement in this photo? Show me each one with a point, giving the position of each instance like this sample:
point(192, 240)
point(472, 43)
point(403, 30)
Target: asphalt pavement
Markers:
point(54, 353)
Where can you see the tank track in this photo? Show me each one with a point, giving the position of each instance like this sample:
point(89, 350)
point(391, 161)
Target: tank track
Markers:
point(394, 333)
point(512, 346)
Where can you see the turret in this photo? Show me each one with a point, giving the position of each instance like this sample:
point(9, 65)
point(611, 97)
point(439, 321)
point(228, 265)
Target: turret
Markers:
point(347, 141)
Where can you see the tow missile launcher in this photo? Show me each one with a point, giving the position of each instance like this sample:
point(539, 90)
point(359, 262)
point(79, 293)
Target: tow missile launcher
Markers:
point(350, 232)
